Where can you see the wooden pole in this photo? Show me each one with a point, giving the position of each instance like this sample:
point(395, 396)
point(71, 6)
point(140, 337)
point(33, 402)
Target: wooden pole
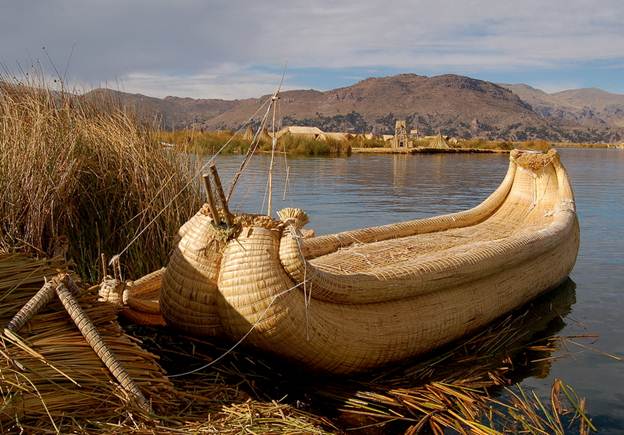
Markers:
point(211, 203)
point(94, 339)
point(219, 188)
point(42, 298)
point(39, 301)
point(273, 145)
point(103, 259)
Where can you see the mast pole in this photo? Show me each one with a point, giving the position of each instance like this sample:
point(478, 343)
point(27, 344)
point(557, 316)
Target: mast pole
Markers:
point(273, 145)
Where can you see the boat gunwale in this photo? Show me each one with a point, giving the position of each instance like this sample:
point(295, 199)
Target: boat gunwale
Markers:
point(436, 274)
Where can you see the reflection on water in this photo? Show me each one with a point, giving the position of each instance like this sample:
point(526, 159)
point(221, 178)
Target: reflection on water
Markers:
point(360, 191)
point(346, 193)
point(514, 347)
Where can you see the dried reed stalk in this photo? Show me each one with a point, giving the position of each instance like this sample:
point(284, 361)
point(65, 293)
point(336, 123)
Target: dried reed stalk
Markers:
point(91, 335)
point(49, 374)
point(82, 175)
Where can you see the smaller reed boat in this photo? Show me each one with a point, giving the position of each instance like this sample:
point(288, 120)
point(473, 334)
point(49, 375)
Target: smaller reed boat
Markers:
point(359, 299)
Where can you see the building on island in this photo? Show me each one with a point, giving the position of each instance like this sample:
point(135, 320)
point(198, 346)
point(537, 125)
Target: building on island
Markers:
point(401, 138)
point(301, 131)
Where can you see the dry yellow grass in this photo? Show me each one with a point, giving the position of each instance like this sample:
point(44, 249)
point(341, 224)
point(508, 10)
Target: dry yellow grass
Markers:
point(85, 177)
point(208, 142)
point(52, 381)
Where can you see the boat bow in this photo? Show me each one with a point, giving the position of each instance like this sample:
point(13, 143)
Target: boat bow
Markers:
point(358, 299)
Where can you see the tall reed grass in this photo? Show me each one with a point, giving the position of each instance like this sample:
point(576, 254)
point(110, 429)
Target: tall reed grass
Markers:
point(204, 142)
point(208, 142)
point(84, 177)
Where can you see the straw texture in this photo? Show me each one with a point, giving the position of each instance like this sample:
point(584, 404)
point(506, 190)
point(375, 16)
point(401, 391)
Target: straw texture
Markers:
point(139, 300)
point(50, 375)
point(359, 299)
point(93, 337)
point(189, 284)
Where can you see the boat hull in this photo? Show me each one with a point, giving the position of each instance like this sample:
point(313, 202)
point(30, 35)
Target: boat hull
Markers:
point(285, 294)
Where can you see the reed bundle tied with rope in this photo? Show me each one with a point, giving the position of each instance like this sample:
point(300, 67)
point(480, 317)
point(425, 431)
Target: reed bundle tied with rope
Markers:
point(49, 373)
point(356, 300)
point(52, 380)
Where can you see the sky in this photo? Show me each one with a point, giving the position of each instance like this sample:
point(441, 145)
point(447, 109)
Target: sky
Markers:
point(239, 49)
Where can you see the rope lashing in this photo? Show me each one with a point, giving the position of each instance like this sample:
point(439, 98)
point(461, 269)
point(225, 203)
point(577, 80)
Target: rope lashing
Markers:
point(67, 291)
point(238, 343)
point(191, 179)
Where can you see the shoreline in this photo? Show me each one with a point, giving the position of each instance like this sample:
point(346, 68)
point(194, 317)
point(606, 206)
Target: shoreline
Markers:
point(426, 150)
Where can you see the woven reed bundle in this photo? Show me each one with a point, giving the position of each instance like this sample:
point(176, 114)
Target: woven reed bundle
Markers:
point(189, 289)
point(139, 301)
point(48, 372)
point(382, 294)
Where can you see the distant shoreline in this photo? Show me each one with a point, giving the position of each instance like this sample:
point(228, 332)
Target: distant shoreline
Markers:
point(426, 150)
point(430, 150)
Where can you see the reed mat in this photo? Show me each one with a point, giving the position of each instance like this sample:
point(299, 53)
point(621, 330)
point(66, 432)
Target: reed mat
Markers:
point(52, 381)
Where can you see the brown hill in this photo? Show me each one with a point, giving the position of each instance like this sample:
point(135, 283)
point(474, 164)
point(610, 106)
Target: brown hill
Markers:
point(455, 105)
point(170, 112)
point(590, 107)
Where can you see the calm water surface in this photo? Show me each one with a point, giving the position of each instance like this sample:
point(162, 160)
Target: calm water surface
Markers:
point(359, 191)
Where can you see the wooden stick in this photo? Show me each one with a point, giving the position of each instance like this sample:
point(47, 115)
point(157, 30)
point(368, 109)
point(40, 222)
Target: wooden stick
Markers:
point(211, 203)
point(103, 259)
point(226, 212)
point(273, 145)
point(94, 339)
point(38, 302)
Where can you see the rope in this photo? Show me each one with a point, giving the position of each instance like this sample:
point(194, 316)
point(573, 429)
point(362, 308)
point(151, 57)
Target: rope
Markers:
point(279, 117)
point(307, 294)
point(235, 345)
point(252, 149)
point(191, 179)
point(264, 198)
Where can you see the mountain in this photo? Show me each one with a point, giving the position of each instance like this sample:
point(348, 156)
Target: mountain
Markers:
point(170, 112)
point(455, 105)
point(590, 107)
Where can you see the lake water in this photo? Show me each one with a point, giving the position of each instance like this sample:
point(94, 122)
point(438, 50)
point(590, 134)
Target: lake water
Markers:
point(368, 190)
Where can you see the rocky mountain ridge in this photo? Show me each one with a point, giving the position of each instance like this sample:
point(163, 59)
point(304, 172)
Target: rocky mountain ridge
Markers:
point(454, 105)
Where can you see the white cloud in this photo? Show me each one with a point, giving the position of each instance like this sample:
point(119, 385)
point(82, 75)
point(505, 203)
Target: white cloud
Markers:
point(224, 81)
point(182, 47)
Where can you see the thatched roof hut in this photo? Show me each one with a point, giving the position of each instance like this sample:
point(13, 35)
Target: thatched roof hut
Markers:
point(265, 136)
point(307, 132)
point(249, 133)
point(439, 142)
point(337, 136)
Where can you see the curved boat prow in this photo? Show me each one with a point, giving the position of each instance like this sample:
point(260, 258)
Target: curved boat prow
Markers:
point(358, 299)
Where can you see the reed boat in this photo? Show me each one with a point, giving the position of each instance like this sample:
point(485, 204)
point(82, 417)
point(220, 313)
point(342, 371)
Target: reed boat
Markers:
point(359, 299)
